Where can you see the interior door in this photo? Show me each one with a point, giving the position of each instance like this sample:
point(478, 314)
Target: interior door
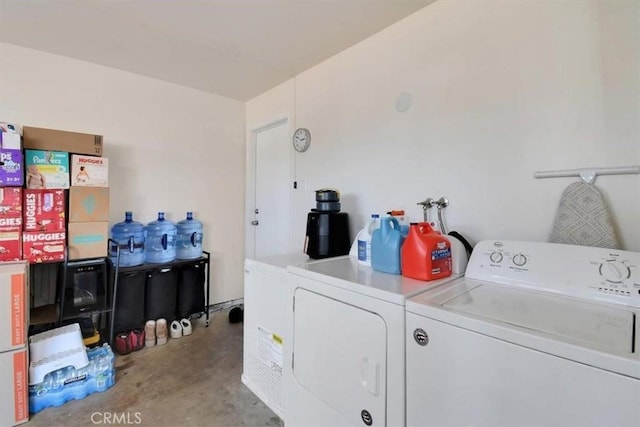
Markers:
point(272, 192)
point(340, 356)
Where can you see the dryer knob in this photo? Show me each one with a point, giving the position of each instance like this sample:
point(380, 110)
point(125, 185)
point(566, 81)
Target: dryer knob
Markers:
point(495, 257)
point(615, 271)
point(519, 260)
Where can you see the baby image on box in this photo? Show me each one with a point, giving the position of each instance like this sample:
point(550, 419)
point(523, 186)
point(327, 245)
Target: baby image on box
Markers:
point(47, 169)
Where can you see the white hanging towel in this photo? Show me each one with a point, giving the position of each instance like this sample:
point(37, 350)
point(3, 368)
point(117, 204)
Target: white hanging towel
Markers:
point(583, 218)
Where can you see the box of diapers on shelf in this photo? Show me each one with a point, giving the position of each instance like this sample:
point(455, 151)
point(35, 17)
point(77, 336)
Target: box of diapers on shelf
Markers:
point(70, 383)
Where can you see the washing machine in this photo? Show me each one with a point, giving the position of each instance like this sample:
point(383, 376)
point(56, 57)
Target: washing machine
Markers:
point(535, 334)
point(264, 333)
point(344, 362)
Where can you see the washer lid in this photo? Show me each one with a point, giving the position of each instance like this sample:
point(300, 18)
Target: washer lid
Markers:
point(598, 326)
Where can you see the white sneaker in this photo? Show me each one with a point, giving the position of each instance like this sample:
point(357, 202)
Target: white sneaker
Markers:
point(150, 333)
point(176, 329)
point(161, 331)
point(187, 329)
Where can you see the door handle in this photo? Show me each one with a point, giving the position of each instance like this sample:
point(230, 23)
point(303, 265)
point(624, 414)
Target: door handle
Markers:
point(254, 222)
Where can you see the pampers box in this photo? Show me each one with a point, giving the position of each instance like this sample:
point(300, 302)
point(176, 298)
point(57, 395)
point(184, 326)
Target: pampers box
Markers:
point(46, 169)
point(11, 168)
point(89, 171)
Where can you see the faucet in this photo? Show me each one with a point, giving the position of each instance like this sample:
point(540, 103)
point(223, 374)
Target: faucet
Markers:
point(426, 205)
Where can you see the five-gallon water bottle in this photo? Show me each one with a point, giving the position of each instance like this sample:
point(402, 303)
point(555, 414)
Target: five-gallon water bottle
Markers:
point(189, 240)
point(160, 240)
point(364, 240)
point(130, 237)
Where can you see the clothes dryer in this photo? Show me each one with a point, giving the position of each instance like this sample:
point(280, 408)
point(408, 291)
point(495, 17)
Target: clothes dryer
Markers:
point(535, 334)
point(344, 362)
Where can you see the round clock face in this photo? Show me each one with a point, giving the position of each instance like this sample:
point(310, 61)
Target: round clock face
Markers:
point(301, 140)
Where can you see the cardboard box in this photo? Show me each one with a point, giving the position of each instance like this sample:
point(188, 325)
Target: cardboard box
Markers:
point(59, 140)
point(38, 246)
point(46, 169)
point(88, 204)
point(14, 305)
point(43, 210)
point(88, 240)
point(14, 391)
point(10, 140)
point(10, 245)
point(11, 168)
point(89, 171)
point(11, 209)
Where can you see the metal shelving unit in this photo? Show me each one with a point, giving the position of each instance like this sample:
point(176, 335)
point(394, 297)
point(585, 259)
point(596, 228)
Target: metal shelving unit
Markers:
point(117, 270)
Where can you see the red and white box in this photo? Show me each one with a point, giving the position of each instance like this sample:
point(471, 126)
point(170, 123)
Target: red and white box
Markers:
point(38, 246)
point(43, 210)
point(10, 209)
point(10, 245)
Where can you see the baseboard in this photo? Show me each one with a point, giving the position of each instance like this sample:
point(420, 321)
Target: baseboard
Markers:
point(221, 306)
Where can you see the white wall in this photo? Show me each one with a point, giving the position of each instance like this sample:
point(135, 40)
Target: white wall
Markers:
point(500, 89)
point(170, 148)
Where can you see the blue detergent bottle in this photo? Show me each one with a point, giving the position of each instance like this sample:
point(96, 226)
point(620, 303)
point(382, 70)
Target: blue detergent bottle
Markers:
point(129, 235)
point(386, 244)
point(160, 240)
point(189, 239)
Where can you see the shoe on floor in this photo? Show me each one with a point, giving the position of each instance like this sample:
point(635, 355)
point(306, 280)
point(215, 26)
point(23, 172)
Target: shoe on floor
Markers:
point(187, 329)
point(176, 329)
point(161, 331)
point(150, 333)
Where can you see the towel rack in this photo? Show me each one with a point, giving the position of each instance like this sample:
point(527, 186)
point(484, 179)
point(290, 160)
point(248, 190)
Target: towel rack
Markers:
point(588, 175)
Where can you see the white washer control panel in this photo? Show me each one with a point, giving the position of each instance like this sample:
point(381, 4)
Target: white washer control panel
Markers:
point(580, 271)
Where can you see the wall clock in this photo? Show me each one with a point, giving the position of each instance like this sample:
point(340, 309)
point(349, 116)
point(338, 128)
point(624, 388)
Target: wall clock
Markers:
point(301, 140)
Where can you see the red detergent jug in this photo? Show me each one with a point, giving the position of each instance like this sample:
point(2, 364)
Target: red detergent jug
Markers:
point(426, 255)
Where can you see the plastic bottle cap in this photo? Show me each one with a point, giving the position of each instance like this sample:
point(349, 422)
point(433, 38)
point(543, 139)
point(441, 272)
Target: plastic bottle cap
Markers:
point(375, 216)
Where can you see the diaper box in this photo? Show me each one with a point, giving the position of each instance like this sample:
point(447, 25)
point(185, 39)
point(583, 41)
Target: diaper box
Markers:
point(11, 168)
point(46, 169)
point(14, 305)
point(11, 209)
point(89, 171)
point(10, 246)
point(43, 210)
point(40, 246)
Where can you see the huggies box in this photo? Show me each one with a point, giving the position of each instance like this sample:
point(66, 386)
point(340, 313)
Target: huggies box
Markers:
point(43, 210)
point(89, 171)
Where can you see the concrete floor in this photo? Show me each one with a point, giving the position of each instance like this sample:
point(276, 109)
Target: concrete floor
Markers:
point(191, 381)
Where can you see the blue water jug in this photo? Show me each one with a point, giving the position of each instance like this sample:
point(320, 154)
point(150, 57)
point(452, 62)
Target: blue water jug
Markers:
point(386, 243)
point(189, 240)
point(129, 235)
point(160, 240)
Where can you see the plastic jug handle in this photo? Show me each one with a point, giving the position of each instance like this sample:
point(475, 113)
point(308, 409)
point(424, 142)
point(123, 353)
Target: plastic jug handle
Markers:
point(164, 242)
point(425, 228)
point(193, 238)
point(396, 224)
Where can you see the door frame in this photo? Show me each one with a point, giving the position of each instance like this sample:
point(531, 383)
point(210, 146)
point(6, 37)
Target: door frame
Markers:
point(250, 190)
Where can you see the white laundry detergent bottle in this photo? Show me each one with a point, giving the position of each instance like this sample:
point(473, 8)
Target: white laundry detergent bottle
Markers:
point(363, 240)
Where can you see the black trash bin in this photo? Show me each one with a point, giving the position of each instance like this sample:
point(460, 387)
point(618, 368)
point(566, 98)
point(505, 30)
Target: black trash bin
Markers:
point(130, 302)
point(161, 294)
point(191, 290)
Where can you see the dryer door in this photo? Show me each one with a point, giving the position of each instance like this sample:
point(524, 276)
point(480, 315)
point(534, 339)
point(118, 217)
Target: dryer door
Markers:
point(339, 356)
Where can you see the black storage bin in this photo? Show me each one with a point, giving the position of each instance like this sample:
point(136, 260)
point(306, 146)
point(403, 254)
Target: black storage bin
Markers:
point(191, 290)
point(130, 299)
point(161, 294)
